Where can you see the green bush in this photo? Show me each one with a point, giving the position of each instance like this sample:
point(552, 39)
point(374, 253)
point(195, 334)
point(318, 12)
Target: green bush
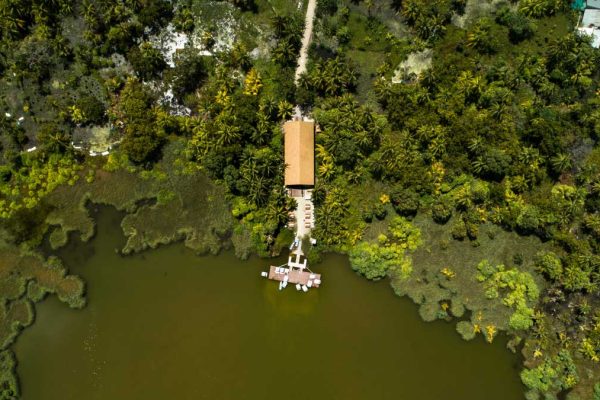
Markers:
point(441, 210)
point(518, 289)
point(405, 201)
point(459, 229)
point(519, 26)
point(376, 260)
point(147, 61)
point(93, 109)
point(549, 264)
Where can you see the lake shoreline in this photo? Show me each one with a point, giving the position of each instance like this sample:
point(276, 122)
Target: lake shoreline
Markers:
point(279, 305)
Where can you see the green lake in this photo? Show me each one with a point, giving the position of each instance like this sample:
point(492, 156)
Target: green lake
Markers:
point(166, 324)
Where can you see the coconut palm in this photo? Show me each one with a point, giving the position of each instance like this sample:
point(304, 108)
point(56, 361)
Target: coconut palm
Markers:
point(284, 110)
point(561, 162)
point(228, 134)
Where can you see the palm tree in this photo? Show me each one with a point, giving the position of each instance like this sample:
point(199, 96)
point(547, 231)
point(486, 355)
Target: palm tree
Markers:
point(284, 110)
point(533, 8)
point(476, 145)
point(284, 53)
point(228, 134)
point(14, 25)
point(519, 184)
point(478, 165)
point(277, 212)
point(411, 11)
point(561, 162)
point(437, 147)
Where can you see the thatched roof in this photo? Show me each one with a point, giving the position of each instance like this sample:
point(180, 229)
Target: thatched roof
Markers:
point(299, 140)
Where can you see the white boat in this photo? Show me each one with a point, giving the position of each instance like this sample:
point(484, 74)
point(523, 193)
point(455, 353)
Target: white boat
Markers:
point(264, 274)
point(298, 286)
point(280, 285)
point(309, 283)
point(304, 288)
point(284, 284)
point(317, 281)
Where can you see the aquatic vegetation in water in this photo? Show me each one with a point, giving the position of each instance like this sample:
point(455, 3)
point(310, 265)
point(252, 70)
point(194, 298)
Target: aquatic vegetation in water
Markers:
point(9, 387)
point(25, 279)
point(163, 206)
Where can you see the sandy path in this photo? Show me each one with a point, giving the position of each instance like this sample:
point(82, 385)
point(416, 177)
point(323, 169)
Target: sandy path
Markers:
point(308, 27)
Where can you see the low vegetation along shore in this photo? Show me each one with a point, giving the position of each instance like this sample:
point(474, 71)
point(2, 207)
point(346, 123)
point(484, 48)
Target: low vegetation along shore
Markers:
point(457, 155)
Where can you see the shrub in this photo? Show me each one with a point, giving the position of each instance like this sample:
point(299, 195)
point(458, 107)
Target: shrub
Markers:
point(516, 287)
point(528, 219)
point(380, 211)
point(374, 261)
point(459, 229)
point(519, 26)
point(441, 210)
point(147, 61)
point(405, 202)
point(188, 74)
point(549, 264)
point(93, 109)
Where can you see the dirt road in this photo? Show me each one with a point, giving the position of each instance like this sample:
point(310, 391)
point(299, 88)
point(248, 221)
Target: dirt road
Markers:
point(308, 27)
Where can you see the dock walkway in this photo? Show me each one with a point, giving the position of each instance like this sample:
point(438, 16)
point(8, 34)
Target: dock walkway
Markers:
point(294, 276)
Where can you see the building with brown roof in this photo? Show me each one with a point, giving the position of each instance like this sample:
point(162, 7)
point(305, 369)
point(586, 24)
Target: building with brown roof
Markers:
point(299, 143)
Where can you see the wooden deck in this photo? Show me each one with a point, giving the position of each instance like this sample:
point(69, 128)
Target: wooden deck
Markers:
point(295, 276)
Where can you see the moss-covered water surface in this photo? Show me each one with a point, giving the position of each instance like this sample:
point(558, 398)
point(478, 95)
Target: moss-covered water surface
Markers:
point(167, 324)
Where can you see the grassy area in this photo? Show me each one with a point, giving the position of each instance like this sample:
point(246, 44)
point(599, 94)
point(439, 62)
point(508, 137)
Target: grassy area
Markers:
point(184, 206)
point(444, 281)
point(367, 63)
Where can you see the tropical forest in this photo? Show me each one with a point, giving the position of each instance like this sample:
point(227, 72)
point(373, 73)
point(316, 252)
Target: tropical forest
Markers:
point(451, 206)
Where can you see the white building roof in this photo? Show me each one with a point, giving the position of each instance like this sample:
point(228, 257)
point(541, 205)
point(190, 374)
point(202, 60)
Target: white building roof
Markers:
point(593, 3)
point(591, 18)
point(590, 25)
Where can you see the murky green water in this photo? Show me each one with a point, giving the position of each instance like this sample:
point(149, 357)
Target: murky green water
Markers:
point(168, 325)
